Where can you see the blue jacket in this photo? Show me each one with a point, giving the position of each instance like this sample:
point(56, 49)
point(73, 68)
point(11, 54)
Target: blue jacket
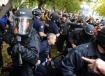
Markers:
point(44, 50)
point(73, 65)
point(38, 25)
point(51, 27)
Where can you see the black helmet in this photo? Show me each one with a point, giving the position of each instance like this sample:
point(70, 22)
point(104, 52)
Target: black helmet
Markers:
point(101, 36)
point(37, 11)
point(54, 16)
point(22, 21)
point(24, 12)
point(89, 29)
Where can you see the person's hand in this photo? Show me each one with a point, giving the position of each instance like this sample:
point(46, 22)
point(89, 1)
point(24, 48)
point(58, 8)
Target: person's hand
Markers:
point(49, 59)
point(96, 65)
point(73, 45)
point(81, 24)
point(15, 49)
point(38, 62)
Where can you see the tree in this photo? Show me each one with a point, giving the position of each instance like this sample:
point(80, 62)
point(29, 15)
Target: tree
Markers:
point(5, 9)
point(65, 5)
point(101, 8)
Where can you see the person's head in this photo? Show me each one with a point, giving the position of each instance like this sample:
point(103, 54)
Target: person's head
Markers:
point(99, 26)
point(60, 14)
point(54, 16)
point(88, 32)
point(14, 11)
point(37, 12)
point(75, 17)
point(51, 38)
point(64, 17)
point(22, 22)
point(101, 38)
point(91, 20)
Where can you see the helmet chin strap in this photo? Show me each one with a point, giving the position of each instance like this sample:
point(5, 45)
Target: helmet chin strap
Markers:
point(100, 44)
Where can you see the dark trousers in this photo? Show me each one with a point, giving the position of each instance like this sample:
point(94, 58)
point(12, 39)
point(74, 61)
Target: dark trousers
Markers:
point(60, 42)
point(41, 71)
point(22, 71)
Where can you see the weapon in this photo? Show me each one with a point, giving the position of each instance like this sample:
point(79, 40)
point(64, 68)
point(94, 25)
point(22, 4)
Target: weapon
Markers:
point(19, 51)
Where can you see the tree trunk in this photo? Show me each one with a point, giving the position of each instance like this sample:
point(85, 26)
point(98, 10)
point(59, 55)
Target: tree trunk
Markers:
point(5, 9)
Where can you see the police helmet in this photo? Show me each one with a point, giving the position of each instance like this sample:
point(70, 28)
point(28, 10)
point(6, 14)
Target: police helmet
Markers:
point(101, 36)
point(54, 16)
point(24, 12)
point(89, 29)
point(22, 21)
point(37, 11)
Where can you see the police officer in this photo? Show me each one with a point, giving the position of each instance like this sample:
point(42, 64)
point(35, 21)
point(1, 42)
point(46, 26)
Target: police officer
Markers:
point(64, 27)
point(45, 49)
point(81, 35)
point(24, 43)
point(74, 65)
point(51, 26)
point(38, 25)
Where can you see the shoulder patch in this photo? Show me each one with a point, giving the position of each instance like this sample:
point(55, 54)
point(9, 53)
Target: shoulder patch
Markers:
point(42, 26)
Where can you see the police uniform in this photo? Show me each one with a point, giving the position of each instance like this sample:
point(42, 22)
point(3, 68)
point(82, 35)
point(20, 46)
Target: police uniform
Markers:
point(45, 49)
point(51, 27)
point(73, 65)
point(79, 36)
point(38, 25)
point(64, 27)
point(24, 44)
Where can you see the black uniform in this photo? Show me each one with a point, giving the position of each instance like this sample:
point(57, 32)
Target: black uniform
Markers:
point(73, 65)
point(29, 49)
point(64, 28)
point(24, 44)
point(78, 38)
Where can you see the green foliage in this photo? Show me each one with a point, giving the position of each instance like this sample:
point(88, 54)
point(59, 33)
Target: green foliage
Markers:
point(101, 8)
point(65, 5)
point(62, 5)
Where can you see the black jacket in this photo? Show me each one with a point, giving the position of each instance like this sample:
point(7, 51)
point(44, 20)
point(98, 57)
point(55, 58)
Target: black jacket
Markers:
point(77, 37)
point(73, 65)
point(29, 47)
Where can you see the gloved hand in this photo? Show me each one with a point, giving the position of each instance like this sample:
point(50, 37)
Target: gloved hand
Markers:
point(13, 41)
point(15, 49)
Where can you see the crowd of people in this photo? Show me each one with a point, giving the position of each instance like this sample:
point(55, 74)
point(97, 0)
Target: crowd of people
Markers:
point(31, 35)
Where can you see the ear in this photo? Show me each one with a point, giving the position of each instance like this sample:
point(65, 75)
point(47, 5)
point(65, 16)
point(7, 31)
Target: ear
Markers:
point(15, 31)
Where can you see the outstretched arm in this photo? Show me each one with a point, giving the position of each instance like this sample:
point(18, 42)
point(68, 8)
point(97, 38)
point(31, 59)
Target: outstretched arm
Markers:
point(96, 66)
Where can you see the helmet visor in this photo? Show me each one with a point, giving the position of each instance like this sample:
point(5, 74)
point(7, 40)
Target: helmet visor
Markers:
point(23, 25)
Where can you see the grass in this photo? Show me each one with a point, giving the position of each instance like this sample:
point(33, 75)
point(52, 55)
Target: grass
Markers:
point(6, 57)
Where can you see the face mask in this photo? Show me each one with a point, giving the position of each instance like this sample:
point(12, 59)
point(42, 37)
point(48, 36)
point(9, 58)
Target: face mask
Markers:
point(23, 26)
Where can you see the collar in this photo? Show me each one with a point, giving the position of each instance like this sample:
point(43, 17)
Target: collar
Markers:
point(93, 50)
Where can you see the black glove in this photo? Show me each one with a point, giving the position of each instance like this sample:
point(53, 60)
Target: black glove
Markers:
point(15, 49)
point(9, 38)
point(13, 41)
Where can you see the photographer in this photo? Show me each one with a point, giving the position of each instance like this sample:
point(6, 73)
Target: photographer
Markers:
point(24, 44)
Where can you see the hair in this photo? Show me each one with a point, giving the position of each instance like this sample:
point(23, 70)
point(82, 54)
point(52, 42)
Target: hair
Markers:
point(51, 35)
